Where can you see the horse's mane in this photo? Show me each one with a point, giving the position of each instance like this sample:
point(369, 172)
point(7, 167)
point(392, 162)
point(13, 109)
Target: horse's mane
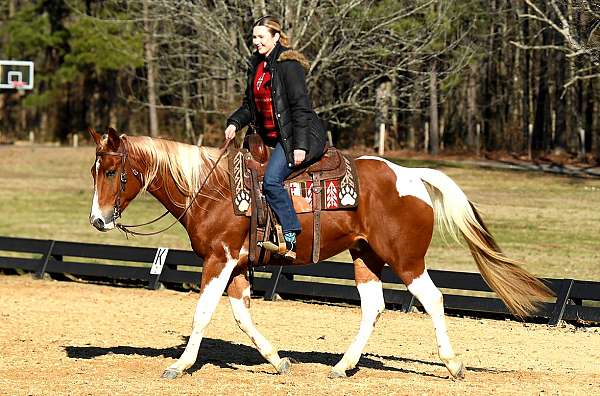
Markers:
point(186, 165)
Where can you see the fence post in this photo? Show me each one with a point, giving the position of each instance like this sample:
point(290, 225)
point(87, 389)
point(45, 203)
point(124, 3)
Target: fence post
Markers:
point(561, 301)
point(157, 267)
point(381, 148)
point(42, 269)
point(275, 276)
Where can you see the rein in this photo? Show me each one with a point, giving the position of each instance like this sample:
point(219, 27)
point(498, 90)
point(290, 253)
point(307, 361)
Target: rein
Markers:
point(123, 180)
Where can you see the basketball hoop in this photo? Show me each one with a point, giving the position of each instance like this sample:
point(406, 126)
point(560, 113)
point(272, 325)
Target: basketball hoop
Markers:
point(17, 75)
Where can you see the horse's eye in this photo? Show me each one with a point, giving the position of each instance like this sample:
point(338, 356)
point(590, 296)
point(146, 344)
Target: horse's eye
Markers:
point(110, 173)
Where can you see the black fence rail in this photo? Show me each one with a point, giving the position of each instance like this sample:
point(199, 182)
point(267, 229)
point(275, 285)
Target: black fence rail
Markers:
point(326, 280)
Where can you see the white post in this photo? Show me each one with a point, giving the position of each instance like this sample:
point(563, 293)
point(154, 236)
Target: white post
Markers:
point(426, 148)
point(31, 137)
point(529, 153)
point(75, 140)
point(478, 139)
point(200, 138)
point(381, 139)
point(330, 138)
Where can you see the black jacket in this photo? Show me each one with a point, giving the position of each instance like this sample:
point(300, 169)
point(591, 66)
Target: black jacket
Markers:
point(299, 126)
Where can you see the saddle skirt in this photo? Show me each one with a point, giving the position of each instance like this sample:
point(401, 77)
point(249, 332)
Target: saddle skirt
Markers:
point(329, 184)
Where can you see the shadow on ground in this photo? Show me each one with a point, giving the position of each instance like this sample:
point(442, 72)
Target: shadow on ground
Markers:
point(227, 354)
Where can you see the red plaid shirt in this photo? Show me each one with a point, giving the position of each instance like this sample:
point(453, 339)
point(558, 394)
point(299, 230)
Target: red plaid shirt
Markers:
point(264, 102)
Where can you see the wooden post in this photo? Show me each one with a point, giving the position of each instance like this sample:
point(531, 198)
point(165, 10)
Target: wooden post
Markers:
point(381, 139)
point(75, 140)
point(330, 138)
point(31, 137)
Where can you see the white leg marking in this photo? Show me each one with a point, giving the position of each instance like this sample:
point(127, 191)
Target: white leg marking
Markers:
point(408, 181)
point(372, 305)
point(204, 309)
point(241, 313)
point(431, 298)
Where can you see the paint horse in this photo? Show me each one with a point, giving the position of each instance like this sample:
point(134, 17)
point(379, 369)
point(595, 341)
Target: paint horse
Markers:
point(393, 224)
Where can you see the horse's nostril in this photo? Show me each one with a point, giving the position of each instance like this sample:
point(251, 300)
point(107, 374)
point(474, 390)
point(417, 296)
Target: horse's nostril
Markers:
point(99, 224)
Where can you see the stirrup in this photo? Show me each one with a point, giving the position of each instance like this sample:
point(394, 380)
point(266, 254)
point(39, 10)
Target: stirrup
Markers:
point(280, 246)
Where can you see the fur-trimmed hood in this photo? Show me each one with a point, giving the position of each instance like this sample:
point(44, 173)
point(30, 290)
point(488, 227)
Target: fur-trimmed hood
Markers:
point(293, 55)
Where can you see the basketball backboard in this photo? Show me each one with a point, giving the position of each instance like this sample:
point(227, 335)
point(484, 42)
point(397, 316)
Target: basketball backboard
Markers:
point(16, 74)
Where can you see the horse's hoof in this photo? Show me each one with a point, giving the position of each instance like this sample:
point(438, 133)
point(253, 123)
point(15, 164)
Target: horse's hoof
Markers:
point(171, 373)
point(336, 374)
point(457, 370)
point(284, 366)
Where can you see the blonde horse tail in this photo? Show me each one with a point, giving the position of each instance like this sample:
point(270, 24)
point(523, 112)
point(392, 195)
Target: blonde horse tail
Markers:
point(521, 291)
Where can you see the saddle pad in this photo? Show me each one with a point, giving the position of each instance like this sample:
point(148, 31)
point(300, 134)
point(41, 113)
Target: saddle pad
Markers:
point(337, 192)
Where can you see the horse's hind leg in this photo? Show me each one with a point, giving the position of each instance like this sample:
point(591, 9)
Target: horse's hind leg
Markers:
point(239, 297)
point(431, 298)
point(367, 271)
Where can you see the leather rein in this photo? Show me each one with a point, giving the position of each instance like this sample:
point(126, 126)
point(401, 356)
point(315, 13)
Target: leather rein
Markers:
point(122, 184)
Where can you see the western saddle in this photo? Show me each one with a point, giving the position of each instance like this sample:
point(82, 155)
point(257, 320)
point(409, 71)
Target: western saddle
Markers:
point(328, 184)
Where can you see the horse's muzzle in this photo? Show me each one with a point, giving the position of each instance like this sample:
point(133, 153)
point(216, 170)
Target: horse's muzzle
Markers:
point(99, 224)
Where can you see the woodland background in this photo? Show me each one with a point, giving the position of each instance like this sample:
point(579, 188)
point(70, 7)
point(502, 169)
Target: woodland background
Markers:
point(521, 76)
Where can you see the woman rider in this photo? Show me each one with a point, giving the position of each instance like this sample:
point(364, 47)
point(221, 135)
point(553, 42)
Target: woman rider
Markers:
point(277, 104)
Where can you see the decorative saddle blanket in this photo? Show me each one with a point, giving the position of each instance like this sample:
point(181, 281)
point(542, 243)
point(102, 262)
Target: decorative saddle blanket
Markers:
point(329, 184)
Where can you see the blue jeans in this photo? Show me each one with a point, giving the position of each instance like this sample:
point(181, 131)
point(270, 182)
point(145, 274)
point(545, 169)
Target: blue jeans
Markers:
point(276, 195)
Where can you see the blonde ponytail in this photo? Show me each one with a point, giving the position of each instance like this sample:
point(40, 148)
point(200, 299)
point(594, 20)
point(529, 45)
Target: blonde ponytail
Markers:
point(284, 40)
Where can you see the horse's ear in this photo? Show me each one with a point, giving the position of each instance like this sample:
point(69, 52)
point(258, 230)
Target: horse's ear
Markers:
point(113, 139)
point(95, 135)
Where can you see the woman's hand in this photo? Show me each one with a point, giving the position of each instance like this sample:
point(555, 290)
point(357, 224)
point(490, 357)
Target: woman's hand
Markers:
point(299, 156)
point(230, 132)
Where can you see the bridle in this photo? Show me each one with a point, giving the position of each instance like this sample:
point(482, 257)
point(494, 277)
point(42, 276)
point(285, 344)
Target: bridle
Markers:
point(123, 181)
point(122, 177)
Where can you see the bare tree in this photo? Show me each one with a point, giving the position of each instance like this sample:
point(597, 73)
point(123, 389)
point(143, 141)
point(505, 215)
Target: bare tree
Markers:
point(578, 23)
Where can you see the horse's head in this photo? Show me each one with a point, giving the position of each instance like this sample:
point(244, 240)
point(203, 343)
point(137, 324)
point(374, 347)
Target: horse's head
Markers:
point(112, 191)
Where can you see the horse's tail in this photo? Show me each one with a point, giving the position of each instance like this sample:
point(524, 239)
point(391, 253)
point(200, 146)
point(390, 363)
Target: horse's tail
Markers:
point(520, 291)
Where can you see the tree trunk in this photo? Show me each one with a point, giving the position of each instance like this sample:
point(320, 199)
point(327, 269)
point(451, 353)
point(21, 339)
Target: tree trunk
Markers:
point(471, 108)
point(149, 52)
point(393, 129)
point(434, 137)
point(540, 139)
point(525, 80)
point(189, 130)
point(560, 125)
point(12, 8)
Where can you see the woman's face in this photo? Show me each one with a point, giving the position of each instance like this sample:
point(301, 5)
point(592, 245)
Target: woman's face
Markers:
point(263, 40)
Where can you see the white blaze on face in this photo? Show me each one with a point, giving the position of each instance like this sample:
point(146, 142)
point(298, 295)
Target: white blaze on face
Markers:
point(96, 212)
point(408, 181)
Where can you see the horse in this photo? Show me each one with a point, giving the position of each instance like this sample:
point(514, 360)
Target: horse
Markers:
point(393, 224)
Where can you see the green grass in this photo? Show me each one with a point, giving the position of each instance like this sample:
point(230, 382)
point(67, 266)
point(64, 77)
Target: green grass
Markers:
point(550, 222)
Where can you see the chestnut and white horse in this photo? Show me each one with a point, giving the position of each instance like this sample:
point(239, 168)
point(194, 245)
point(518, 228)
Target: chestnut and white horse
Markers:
point(393, 224)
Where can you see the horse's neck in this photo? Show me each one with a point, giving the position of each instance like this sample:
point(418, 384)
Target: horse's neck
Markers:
point(165, 190)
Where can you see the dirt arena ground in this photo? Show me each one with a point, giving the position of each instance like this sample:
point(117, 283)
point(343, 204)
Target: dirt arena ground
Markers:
point(83, 339)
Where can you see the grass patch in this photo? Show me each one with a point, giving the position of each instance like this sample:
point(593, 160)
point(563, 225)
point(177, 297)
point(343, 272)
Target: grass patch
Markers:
point(550, 222)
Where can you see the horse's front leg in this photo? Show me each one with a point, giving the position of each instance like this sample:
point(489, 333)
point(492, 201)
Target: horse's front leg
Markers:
point(239, 297)
point(215, 276)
